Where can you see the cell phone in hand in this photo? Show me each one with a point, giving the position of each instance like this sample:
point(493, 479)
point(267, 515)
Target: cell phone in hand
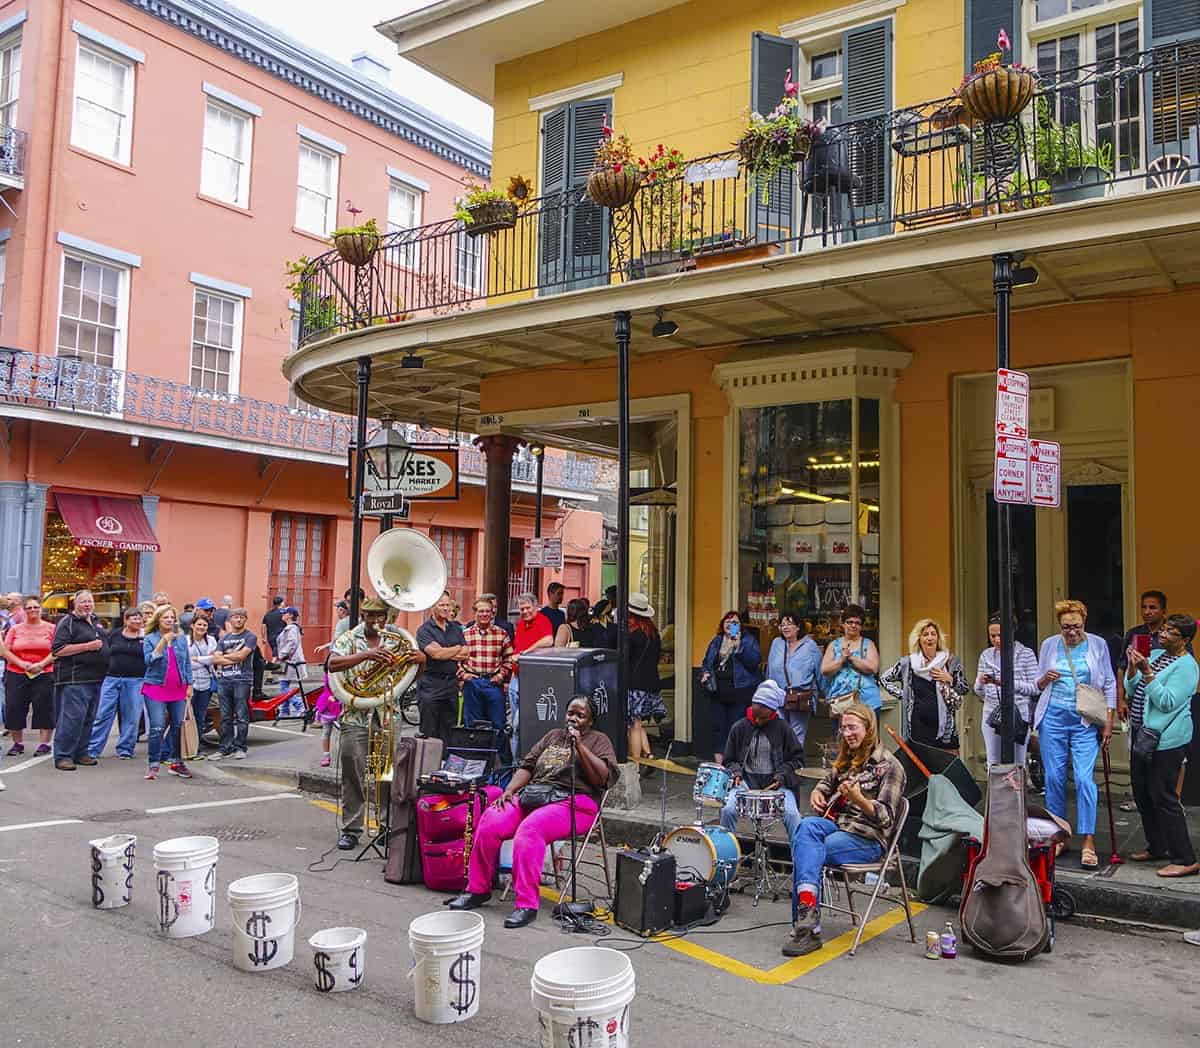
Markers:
point(1142, 643)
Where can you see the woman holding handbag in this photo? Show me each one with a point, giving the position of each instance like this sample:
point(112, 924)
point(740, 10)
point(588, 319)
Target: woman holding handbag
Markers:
point(729, 673)
point(987, 687)
point(1160, 689)
point(930, 683)
point(1074, 717)
point(793, 662)
point(850, 664)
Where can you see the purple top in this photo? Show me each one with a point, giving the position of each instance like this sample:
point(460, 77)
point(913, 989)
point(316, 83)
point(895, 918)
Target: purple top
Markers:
point(173, 688)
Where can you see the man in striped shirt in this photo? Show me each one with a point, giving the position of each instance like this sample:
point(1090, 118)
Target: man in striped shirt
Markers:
point(486, 669)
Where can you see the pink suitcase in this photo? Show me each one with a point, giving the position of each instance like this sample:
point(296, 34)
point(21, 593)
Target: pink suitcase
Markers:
point(442, 818)
point(443, 868)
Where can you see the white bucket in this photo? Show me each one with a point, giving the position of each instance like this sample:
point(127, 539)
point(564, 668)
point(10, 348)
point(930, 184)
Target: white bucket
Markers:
point(447, 965)
point(340, 958)
point(266, 910)
point(186, 871)
point(112, 870)
point(582, 997)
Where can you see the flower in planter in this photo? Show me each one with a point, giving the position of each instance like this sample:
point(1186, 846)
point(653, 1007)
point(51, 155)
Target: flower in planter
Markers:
point(770, 144)
point(519, 190)
point(476, 196)
point(614, 152)
point(993, 61)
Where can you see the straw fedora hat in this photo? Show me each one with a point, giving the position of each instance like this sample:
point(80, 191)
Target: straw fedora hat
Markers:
point(639, 605)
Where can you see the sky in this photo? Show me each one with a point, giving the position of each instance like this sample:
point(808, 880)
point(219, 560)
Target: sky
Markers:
point(347, 27)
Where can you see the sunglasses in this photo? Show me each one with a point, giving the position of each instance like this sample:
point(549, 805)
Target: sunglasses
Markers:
point(1071, 627)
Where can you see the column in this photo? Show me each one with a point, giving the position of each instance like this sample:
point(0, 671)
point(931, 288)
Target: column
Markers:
point(497, 513)
point(33, 532)
point(12, 517)
point(145, 585)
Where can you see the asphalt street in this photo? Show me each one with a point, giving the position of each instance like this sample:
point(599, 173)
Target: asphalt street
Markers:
point(72, 974)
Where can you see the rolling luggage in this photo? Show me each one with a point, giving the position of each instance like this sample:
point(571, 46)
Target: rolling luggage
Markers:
point(441, 830)
point(413, 758)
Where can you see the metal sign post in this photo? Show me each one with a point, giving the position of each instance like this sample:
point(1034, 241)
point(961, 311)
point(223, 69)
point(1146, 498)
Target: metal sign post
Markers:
point(1002, 284)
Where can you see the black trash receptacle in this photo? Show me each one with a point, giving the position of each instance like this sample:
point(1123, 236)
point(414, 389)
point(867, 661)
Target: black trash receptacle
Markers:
point(551, 677)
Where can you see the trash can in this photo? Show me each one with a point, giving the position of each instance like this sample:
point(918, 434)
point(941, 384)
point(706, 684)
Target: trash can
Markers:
point(551, 677)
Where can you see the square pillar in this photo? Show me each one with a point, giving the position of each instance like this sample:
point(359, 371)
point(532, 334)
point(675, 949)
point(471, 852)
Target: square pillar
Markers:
point(145, 585)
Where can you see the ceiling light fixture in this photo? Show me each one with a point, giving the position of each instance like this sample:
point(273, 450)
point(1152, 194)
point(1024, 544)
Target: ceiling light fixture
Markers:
point(412, 361)
point(664, 328)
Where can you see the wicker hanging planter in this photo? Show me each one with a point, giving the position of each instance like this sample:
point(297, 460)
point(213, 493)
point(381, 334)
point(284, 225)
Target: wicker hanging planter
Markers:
point(357, 248)
point(490, 217)
point(801, 146)
point(999, 94)
point(613, 189)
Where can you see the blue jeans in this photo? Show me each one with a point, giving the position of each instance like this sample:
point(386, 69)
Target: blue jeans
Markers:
point(235, 714)
point(791, 813)
point(483, 700)
point(818, 842)
point(200, 709)
point(514, 716)
point(797, 720)
point(74, 711)
point(1063, 737)
point(125, 694)
point(162, 740)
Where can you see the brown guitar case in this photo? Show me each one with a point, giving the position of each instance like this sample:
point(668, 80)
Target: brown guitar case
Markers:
point(413, 758)
point(1002, 914)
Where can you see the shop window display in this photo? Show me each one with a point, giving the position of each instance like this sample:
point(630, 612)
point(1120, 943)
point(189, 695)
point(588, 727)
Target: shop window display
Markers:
point(110, 574)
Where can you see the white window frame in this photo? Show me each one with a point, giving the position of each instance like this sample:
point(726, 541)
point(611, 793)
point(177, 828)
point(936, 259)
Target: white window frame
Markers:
point(408, 254)
point(469, 247)
point(124, 142)
point(235, 359)
point(4, 280)
point(332, 203)
point(242, 198)
point(9, 43)
point(121, 336)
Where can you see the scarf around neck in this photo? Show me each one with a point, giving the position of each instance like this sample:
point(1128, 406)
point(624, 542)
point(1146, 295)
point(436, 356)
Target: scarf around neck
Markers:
point(923, 668)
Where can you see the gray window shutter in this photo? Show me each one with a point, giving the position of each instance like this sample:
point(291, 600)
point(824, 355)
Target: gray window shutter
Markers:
point(1169, 21)
point(984, 19)
point(867, 83)
point(588, 222)
point(1172, 80)
point(770, 58)
point(551, 264)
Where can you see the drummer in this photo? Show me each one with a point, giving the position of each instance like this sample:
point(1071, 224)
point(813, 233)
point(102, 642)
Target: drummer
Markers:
point(762, 754)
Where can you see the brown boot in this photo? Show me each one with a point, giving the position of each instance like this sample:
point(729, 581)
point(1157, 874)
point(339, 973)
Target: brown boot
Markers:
point(806, 935)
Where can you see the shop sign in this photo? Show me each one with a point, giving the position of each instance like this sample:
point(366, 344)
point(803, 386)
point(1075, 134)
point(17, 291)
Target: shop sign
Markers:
point(377, 504)
point(1045, 473)
point(428, 473)
point(1012, 469)
point(1012, 403)
point(544, 553)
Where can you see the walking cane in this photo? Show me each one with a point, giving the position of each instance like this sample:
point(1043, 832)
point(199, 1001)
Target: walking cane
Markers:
point(1114, 859)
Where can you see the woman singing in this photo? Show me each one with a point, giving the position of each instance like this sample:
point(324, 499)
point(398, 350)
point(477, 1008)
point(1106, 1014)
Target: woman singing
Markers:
point(535, 809)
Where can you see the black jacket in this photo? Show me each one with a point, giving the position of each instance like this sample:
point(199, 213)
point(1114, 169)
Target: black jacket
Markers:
point(787, 756)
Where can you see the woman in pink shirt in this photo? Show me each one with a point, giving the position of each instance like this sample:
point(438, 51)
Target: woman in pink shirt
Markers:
point(28, 681)
point(167, 688)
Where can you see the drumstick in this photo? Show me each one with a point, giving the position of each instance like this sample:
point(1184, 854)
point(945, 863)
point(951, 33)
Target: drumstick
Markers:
point(911, 756)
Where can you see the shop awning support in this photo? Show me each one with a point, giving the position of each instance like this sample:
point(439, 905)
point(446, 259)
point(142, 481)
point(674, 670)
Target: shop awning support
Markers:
point(1002, 284)
point(623, 329)
point(360, 477)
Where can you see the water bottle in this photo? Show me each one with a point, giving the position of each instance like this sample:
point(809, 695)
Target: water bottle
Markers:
point(949, 941)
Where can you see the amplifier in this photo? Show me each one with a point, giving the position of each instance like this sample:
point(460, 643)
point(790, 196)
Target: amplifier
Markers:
point(691, 904)
point(645, 892)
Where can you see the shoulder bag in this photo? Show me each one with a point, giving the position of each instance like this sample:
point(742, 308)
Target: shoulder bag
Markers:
point(538, 794)
point(1090, 702)
point(795, 700)
point(836, 705)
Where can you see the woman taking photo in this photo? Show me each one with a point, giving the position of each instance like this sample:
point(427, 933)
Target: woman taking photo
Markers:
point(987, 687)
point(729, 673)
point(1067, 661)
point(28, 679)
point(645, 690)
point(167, 687)
point(121, 691)
point(930, 684)
point(850, 664)
point(793, 662)
point(1160, 689)
point(202, 650)
point(535, 809)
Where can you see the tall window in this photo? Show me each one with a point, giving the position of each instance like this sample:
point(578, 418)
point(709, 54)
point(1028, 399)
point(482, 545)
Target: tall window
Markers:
point(103, 121)
point(216, 342)
point(823, 90)
point(404, 212)
point(316, 190)
point(298, 569)
point(225, 167)
point(455, 546)
point(91, 314)
point(3, 271)
point(10, 79)
point(468, 268)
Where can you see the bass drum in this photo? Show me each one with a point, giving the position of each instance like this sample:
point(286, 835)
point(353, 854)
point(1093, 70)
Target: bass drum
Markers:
point(706, 853)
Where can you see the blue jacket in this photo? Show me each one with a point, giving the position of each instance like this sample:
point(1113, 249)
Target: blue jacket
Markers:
point(1168, 708)
point(156, 665)
point(746, 660)
point(803, 668)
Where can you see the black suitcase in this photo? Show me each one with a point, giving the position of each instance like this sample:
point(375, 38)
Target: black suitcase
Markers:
point(413, 758)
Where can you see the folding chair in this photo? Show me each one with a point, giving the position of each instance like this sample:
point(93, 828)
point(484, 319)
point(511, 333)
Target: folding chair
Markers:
point(891, 860)
point(562, 880)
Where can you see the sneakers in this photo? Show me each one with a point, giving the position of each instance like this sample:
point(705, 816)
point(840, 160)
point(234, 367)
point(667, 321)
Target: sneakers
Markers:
point(124, 756)
point(180, 769)
point(152, 772)
point(41, 751)
point(15, 750)
point(87, 762)
point(1193, 938)
point(240, 755)
point(347, 842)
point(324, 760)
point(806, 934)
point(218, 756)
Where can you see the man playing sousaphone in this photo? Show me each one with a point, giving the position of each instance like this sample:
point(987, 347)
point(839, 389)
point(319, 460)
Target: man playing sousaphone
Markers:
point(353, 648)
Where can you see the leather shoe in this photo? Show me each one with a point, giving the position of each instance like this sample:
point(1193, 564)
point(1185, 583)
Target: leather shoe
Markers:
point(519, 918)
point(66, 764)
point(469, 900)
point(347, 842)
point(1176, 869)
point(87, 762)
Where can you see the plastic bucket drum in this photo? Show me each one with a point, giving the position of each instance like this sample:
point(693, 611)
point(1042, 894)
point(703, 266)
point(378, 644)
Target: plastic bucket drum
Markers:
point(112, 870)
point(447, 951)
point(583, 996)
point(186, 874)
point(265, 909)
point(340, 958)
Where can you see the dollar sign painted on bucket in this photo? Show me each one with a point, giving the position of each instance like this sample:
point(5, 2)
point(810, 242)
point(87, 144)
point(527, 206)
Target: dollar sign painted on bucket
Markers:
point(264, 948)
point(97, 888)
point(583, 1032)
point(168, 908)
point(357, 975)
point(460, 975)
point(325, 978)
point(127, 866)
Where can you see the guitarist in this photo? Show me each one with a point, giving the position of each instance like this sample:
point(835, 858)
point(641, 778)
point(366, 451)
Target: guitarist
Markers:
point(854, 806)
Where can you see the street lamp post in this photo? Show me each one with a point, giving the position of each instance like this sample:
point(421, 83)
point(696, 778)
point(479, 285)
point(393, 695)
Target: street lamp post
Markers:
point(623, 333)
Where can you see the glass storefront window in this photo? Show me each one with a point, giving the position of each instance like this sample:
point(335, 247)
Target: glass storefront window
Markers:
point(110, 574)
point(809, 501)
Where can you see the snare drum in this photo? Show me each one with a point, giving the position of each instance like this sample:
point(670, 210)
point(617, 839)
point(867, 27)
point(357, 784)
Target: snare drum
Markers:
point(760, 805)
point(712, 785)
point(711, 853)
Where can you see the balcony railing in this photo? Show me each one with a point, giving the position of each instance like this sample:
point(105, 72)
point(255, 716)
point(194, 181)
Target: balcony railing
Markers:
point(1121, 126)
point(12, 155)
point(74, 386)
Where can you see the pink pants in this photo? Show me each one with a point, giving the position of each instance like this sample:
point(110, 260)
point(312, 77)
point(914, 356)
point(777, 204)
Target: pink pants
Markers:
point(530, 835)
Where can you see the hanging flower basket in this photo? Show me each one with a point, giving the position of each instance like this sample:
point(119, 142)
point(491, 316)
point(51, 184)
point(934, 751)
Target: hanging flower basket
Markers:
point(490, 217)
point(357, 248)
point(801, 145)
point(613, 189)
point(998, 94)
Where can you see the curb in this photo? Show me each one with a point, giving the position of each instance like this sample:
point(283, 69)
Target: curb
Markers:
point(319, 782)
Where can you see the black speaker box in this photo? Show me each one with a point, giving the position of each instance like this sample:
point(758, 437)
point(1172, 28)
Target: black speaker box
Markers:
point(645, 892)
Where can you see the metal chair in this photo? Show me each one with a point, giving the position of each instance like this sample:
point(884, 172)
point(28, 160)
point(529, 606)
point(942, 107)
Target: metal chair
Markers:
point(833, 874)
point(562, 880)
point(1168, 170)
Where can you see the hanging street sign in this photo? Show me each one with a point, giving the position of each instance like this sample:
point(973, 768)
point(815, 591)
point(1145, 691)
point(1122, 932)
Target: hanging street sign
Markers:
point(379, 503)
point(427, 472)
point(544, 553)
point(1045, 473)
point(1011, 482)
point(1012, 403)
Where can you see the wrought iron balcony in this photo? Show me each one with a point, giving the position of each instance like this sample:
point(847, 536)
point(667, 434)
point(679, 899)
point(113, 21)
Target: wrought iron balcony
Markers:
point(12, 157)
point(1126, 125)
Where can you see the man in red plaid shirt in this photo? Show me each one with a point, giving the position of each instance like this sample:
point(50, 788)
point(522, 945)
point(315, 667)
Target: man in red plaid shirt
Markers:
point(487, 668)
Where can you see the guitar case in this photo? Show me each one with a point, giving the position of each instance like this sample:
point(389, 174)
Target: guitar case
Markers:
point(413, 758)
point(1002, 914)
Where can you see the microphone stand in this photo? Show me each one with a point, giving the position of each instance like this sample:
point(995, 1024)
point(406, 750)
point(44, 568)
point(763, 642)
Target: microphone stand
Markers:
point(572, 911)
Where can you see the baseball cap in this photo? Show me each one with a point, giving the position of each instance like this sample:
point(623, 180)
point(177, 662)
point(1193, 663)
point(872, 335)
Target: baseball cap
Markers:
point(291, 610)
point(205, 603)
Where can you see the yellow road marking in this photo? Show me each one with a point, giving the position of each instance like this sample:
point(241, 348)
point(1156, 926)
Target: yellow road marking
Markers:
point(330, 806)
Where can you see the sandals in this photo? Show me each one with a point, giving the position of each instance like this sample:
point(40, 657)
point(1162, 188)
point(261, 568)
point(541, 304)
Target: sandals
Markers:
point(1177, 870)
point(1088, 859)
point(1145, 856)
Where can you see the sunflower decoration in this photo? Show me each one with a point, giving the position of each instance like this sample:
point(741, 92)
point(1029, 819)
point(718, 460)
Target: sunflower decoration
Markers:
point(520, 190)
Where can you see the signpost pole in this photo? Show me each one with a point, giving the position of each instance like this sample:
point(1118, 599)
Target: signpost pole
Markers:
point(360, 476)
point(623, 331)
point(1002, 286)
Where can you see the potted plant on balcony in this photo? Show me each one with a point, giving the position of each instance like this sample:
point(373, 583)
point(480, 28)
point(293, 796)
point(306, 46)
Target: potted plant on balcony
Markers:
point(357, 244)
point(483, 210)
point(994, 92)
point(668, 219)
point(772, 143)
point(1075, 169)
point(615, 175)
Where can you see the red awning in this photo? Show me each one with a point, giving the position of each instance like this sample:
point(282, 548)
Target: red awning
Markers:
point(107, 522)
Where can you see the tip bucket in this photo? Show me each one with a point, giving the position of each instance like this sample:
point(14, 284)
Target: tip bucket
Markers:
point(583, 996)
point(340, 958)
point(186, 873)
point(447, 949)
point(266, 909)
point(112, 870)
